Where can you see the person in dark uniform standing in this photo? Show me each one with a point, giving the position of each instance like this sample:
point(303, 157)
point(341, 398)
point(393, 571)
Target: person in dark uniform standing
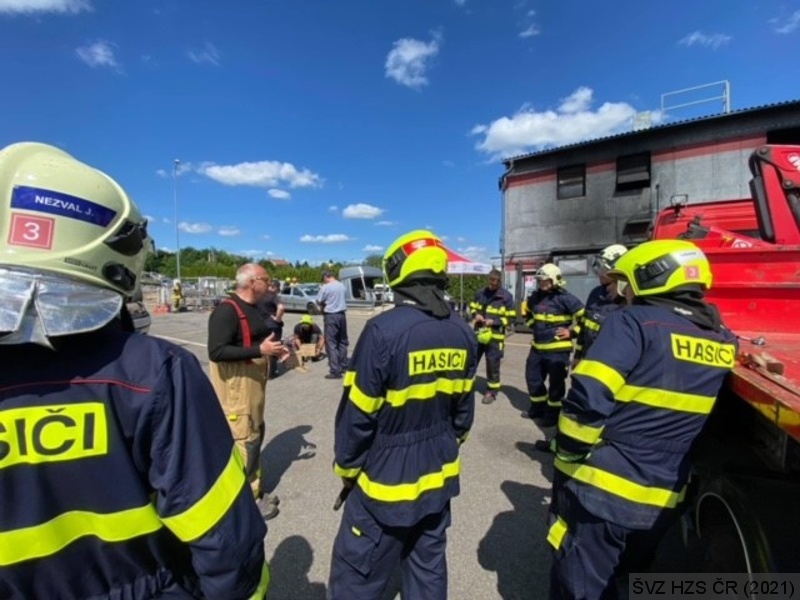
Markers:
point(602, 301)
point(492, 309)
point(118, 475)
point(331, 300)
point(272, 310)
point(552, 313)
point(638, 400)
point(407, 405)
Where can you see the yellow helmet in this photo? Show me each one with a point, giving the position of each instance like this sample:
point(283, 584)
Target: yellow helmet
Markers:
point(484, 335)
point(306, 320)
point(416, 253)
point(663, 266)
point(65, 217)
point(608, 256)
point(551, 272)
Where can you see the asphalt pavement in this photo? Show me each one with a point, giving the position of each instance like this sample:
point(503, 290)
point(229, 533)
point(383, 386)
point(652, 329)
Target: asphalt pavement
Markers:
point(496, 545)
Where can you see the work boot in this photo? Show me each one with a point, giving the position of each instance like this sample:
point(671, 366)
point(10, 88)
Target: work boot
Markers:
point(535, 411)
point(489, 397)
point(268, 510)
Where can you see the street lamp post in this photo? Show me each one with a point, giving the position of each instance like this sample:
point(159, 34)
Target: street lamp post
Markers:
point(177, 229)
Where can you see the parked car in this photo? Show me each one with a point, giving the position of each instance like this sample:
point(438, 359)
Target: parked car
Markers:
point(301, 297)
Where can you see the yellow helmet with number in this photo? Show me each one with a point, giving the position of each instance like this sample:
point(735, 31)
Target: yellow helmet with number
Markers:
point(416, 254)
point(551, 272)
point(663, 266)
point(63, 216)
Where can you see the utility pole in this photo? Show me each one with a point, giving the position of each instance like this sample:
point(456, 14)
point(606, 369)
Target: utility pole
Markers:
point(177, 229)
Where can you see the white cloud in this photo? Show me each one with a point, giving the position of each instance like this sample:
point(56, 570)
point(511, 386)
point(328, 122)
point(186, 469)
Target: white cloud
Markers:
point(254, 254)
point(265, 173)
point(386, 223)
point(372, 248)
point(333, 208)
point(208, 55)
point(44, 6)
point(573, 121)
point(149, 218)
point(99, 54)
point(182, 168)
point(229, 230)
point(279, 194)
point(448, 163)
point(713, 41)
point(792, 23)
point(325, 239)
point(461, 239)
point(194, 227)
point(476, 253)
point(265, 236)
point(460, 2)
point(407, 62)
point(361, 211)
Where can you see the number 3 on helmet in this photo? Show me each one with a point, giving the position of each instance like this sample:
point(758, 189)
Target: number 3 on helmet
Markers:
point(66, 217)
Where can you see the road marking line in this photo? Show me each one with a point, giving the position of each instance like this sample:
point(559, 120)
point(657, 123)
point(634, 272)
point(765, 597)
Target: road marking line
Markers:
point(180, 341)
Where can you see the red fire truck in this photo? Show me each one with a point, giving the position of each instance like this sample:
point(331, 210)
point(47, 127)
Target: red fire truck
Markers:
point(746, 502)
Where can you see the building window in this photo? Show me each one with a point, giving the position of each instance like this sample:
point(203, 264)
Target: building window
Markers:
point(633, 172)
point(571, 182)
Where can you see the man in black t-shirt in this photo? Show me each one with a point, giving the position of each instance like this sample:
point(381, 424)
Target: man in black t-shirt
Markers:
point(272, 310)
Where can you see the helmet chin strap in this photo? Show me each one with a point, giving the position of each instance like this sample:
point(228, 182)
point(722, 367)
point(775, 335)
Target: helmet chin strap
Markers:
point(36, 307)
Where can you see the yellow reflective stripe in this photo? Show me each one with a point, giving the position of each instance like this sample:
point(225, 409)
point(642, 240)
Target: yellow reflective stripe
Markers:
point(611, 378)
point(583, 433)
point(426, 391)
point(557, 532)
point(51, 536)
point(691, 403)
point(263, 584)
point(619, 486)
point(404, 492)
point(539, 399)
point(198, 519)
point(498, 336)
point(369, 404)
point(492, 310)
point(554, 403)
point(593, 325)
point(552, 318)
point(578, 314)
point(559, 345)
point(351, 473)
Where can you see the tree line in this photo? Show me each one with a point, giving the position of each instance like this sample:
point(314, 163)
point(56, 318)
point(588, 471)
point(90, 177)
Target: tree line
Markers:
point(210, 262)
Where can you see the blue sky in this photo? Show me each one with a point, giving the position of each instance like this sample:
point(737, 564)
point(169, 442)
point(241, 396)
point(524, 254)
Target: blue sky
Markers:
point(320, 129)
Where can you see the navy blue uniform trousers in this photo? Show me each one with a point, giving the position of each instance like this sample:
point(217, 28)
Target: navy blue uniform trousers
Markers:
point(336, 342)
point(596, 555)
point(550, 366)
point(366, 552)
point(493, 355)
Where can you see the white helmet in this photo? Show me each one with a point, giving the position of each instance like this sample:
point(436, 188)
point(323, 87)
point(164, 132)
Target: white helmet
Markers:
point(608, 256)
point(551, 272)
point(65, 217)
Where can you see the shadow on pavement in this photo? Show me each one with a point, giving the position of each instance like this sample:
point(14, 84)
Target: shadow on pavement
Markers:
point(281, 451)
point(519, 399)
point(289, 566)
point(515, 545)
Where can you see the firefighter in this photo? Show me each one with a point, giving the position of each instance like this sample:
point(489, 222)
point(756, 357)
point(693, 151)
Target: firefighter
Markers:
point(638, 400)
point(492, 309)
point(118, 476)
point(603, 299)
point(177, 296)
point(552, 313)
point(407, 406)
